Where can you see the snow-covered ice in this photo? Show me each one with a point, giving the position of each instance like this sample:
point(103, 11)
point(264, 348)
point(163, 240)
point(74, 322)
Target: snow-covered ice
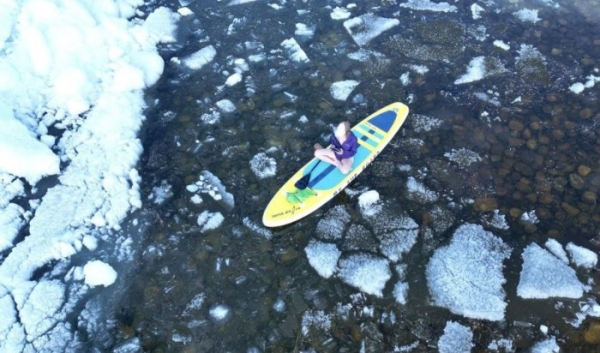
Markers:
point(200, 58)
point(527, 15)
point(369, 203)
point(210, 220)
point(340, 13)
point(400, 292)
point(545, 276)
point(72, 76)
point(263, 166)
point(463, 157)
point(419, 192)
point(581, 256)
point(367, 27)
point(548, 345)
point(294, 51)
point(323, 257)
point(342, 89)
point(466, 276)
point(315, 319)
point(366, 272)
point(557, 250)
point(456, 339)
point(98, 273)
point(428, 5)
point(220, 312)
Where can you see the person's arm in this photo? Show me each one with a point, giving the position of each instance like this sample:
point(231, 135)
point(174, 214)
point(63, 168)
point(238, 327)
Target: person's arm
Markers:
point(351, 147)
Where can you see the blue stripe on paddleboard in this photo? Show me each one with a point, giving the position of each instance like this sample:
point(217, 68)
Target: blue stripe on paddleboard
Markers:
point(384, 121)
point(330, 177)
point(371, 131)
point(365, 138)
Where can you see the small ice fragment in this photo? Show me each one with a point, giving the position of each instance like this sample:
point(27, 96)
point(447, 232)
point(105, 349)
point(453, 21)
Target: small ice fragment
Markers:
point(200, 58)
point(192, 188)
point(226, 106)
point(369, 203)
point(342, 89)
point(219, 312)
point(456, 338)
point(323, 257)
point(279, 305)
point(234, 79)
point(339, 13)
point(581, 256)
point(196, 199)
point(476, 11)
point(500, 44)
point(527, 15)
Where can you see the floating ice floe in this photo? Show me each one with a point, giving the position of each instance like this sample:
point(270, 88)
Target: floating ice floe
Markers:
point(546, 346)
point(397, 233)
point(367, 27)
point(98, 273)
point(545, 276)
point(253, 226)
point(226, 106)
point(294, 51)
point(423, 123)
point(456, 339)
point(428, 5)
point(369, 203)
point(527, 15)
point(501, 44)
point(581, 256)
point(502, 345)
point(219, 312)
point(340, 13)
point(210, 220)
point(305, 31)
point(323, 257)
point(497, 220)
point(368, 273)
point(331, 227)
point(239, 2)
point(529, 217)
point(342, 89)
point(476, 11)
point(263, 166)
point(234, 79)
point(195, 304)
point(185, 11)
point(463, 157)
point(466, 276)
point(315, 319)
point(418, 192)
point(200, 58)
point(400, 292)
point(480, 68)
point(161, 193)
point(579, 87)
point(557, 250)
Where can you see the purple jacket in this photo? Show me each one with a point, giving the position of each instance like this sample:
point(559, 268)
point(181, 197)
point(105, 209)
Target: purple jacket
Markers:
point(346, 149)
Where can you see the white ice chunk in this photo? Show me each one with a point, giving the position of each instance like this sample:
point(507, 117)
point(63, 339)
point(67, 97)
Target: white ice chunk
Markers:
point(10, 224)
point(366, 272)
point(545, 276)
point(342, 89)
point(475, 71)
point(200, 58)
point(233, 79)
point(340, 13)
point(476, 11)
point(99, 273)
point(369, 203)
point(210, 220)
point(581, 256)
point(463, 157)
point(546, 346)
point(367, 27)
point(501, 44)
point(456, 339)
point(400, 292)
point(466, 276)
point(90, 242)
point(263, 166)
point(527, 15)
point(294, 51)
point(316, 319)
point(226, 106)
point(303, 30)
point(418, 191)
point(162, 24)
point(219, 312)
point(557, 250)
point(577, 87)
point(323, 257)
point(428, 5)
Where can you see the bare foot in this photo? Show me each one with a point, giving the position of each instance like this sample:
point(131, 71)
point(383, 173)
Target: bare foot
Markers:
point(318, 146)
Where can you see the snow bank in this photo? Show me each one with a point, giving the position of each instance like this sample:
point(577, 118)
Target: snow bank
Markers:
point(367, 27)
point(466, 276)
point(545, 276)
point(71, 72)
point(323, 257)
point(456, 338)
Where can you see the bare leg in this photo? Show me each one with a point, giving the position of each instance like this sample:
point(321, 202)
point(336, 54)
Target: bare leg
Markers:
point(346, 165)
point(327, 155)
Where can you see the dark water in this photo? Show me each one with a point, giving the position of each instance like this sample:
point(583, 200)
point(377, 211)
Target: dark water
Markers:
point(538, 142)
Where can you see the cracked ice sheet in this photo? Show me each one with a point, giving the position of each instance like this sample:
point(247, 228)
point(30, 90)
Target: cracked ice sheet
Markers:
point(466, 276)
point(367, 27)
point(97, 100)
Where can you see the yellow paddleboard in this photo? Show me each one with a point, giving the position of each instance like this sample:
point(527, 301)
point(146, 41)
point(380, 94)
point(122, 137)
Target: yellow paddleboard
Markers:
point(374, 133)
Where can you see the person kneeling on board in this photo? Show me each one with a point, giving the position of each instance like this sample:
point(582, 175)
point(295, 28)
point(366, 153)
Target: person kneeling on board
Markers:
point(343, 148)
